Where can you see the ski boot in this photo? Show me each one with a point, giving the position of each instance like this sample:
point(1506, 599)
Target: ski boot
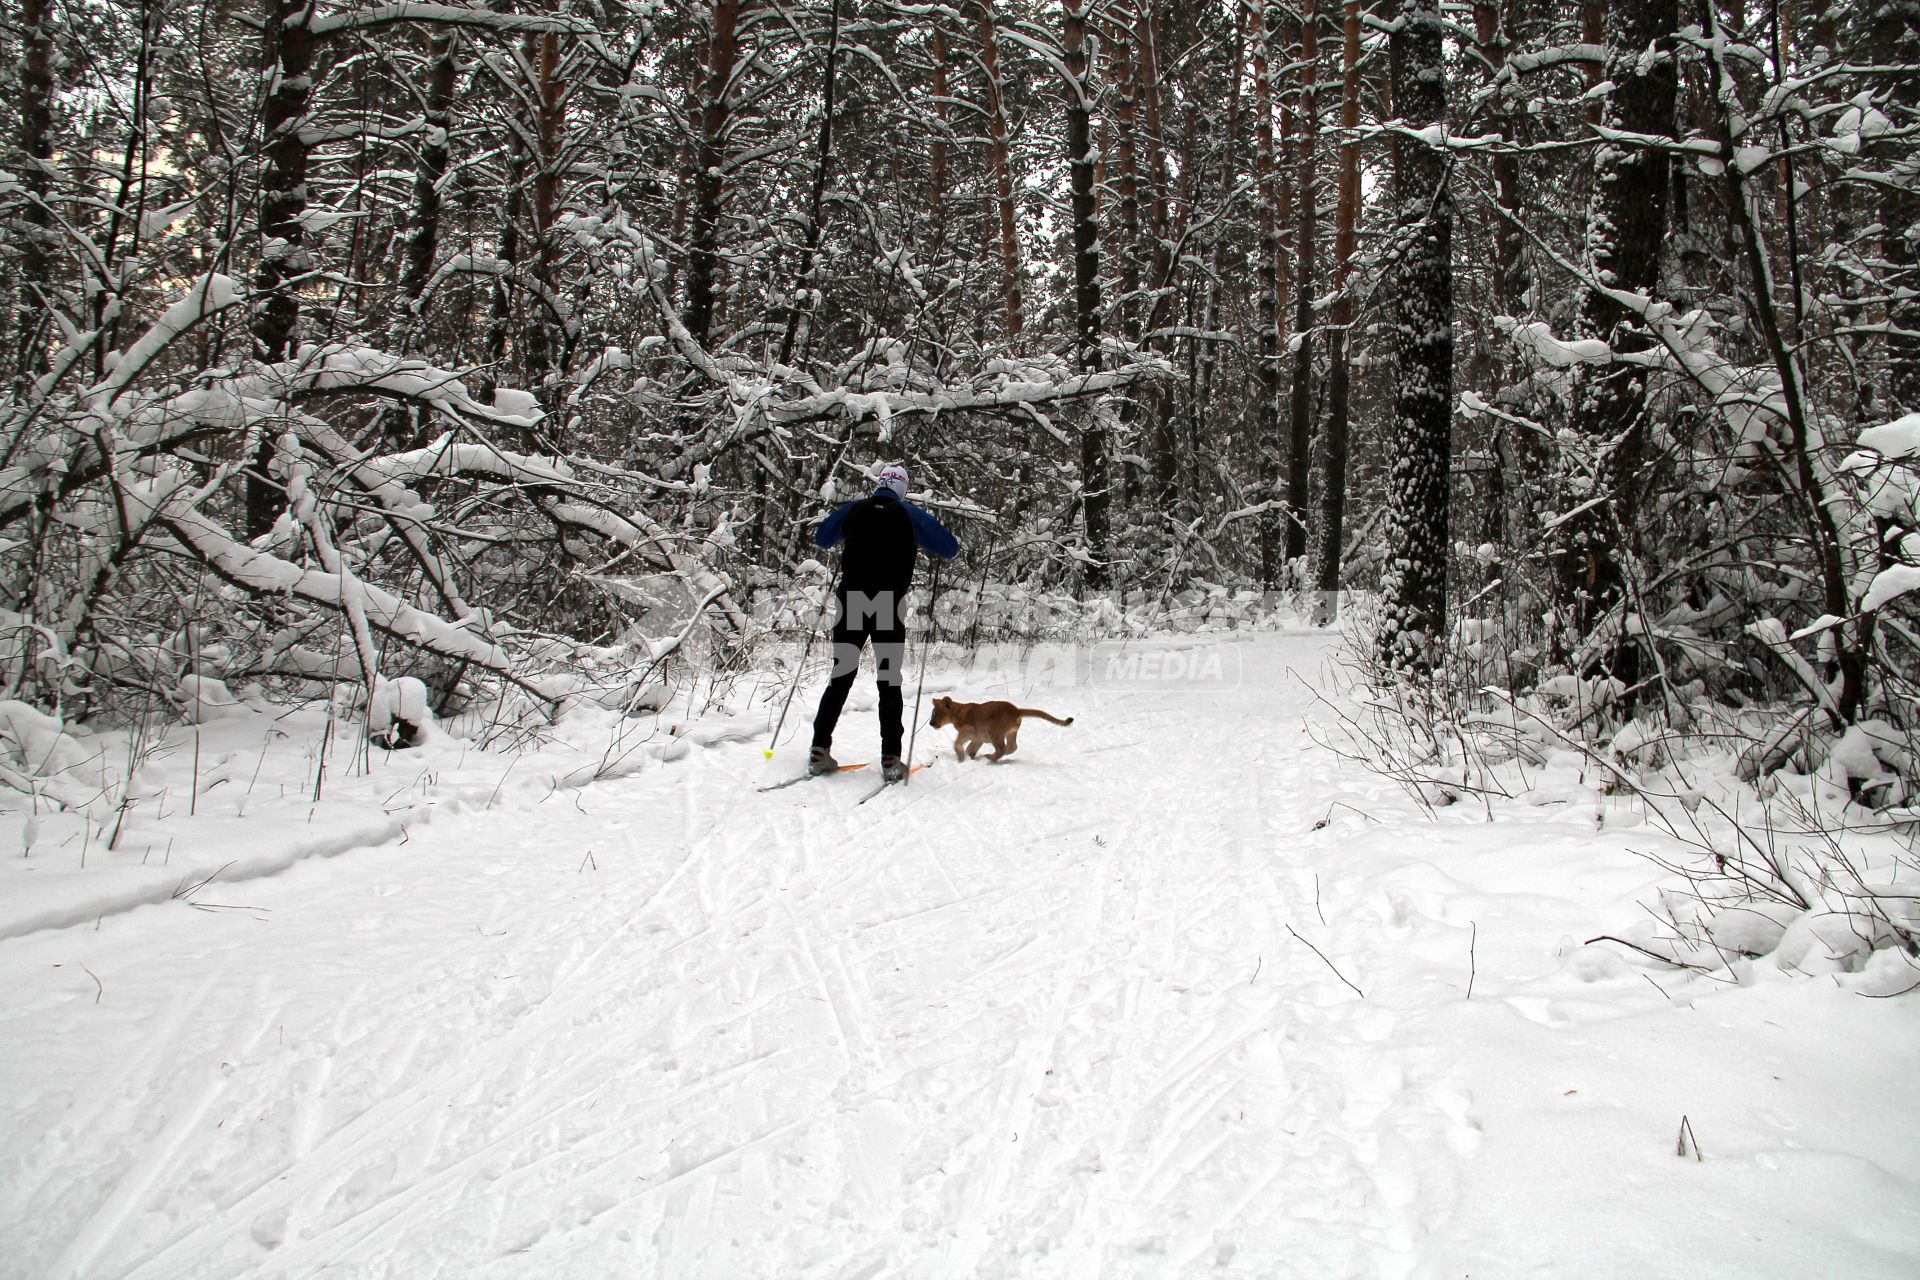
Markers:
point(893, 768)
point(819, 762)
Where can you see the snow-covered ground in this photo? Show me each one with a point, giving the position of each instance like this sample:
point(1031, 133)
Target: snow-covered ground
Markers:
point(1174, 992)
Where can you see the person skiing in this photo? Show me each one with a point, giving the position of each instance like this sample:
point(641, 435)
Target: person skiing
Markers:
point(882, 534)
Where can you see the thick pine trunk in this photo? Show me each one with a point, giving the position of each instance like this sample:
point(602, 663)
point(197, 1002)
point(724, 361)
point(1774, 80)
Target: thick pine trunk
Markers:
point(401, 425)
point(1307, 213)
point(1333, 457)
point(283, 190)
point(1413, 587)
point(423, 221)
point(1095, 467)
point(1160, 235)
point(1268, 312)
point(284, 260)
point(709, 184)
point(806, 287)
point(1626, 221)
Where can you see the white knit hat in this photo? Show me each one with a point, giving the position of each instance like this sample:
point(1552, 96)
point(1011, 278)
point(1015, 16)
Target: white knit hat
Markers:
point(894, 477)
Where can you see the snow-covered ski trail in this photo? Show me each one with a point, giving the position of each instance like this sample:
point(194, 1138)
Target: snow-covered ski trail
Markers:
point(1083, 1014)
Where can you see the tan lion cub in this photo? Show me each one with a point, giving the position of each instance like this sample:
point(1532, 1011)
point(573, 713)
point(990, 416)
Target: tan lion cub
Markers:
point(977, 723)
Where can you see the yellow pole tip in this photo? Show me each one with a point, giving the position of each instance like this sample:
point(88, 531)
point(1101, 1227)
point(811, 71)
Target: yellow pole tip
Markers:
point(767, 754)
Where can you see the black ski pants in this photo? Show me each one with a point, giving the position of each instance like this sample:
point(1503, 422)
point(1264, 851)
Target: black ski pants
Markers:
point(881, 618)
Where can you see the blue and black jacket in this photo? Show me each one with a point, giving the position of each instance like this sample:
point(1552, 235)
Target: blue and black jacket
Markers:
point(882, 534)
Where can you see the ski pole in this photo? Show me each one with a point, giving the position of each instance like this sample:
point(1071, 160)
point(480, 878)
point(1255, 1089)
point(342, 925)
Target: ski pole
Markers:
point(933, 603)
point(813, 633)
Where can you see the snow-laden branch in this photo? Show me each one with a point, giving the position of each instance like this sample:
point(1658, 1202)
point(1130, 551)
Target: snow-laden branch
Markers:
point(563, 501)
point(441, 15)
point(264, 573)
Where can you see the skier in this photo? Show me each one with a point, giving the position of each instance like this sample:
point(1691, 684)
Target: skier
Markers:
point(882, 533)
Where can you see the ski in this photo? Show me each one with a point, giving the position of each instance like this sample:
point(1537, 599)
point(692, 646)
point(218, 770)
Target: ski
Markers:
point(884, 785)
point(809, 777)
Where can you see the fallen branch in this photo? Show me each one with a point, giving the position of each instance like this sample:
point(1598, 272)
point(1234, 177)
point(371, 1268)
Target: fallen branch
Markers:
point(1323, 956)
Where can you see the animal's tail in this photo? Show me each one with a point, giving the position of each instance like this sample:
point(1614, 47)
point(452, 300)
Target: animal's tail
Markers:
point(1034, 711)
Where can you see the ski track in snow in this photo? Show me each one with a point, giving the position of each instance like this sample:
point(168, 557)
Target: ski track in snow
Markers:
point(1042, 1019)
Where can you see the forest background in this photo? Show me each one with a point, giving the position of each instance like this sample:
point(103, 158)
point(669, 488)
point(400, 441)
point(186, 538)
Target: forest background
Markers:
point(342, 343)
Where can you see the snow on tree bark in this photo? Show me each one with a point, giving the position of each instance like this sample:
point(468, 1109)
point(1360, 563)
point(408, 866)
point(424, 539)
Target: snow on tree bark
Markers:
point(806, 286)
point(1013, 319)
point(1095, 466)
point(36, 219)
point(546, 340)
point(1626, 221)
point(1268, 309)
point(1812, 494)
point(1494, 22)
point(1413, 582)
point(284, 259)
point(423, 219)
point(1334, 444)
point(709, 179)
point(1896, 43)
point(1161, 262)
point(1306, 219)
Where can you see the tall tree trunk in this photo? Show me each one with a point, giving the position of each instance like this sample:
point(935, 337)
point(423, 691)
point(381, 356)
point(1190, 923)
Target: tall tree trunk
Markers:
point(806, 287)
point(709, 183)
point(1013, 320)
point(1593, 30)
point(1204, 360)
point(402, 425)
point(1413, 587)
point(33, 289)
point(1346, 228)
point(1160, 235)
point(1126, 130)
point(546, 323)
point(1095, 467)
point(284, 260)
point(1802, 477)
point(1126, 248)
point(1626, 220)
point(423, 221)
point(1493, 22)
point(1159, 229)
point(799, 327)
point(1267, 279)
point(1307, 213)
point(500, 315)
point(1518, 462)
point(1895, 38)
point(937, 149)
